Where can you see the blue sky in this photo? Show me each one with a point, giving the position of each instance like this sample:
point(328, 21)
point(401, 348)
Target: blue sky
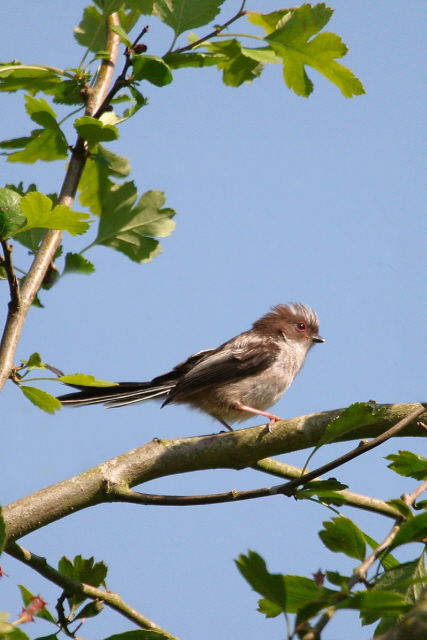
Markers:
point(279, 198)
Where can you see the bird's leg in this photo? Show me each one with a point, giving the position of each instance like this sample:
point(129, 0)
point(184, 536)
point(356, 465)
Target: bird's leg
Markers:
point(243, 407)
point(223, 422)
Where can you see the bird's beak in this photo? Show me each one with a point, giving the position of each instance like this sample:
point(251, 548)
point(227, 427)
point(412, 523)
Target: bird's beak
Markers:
point(318, 339)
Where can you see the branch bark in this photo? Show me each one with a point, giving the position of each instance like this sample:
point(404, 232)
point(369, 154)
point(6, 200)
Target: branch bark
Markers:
point(18, 312)
point(235, 450)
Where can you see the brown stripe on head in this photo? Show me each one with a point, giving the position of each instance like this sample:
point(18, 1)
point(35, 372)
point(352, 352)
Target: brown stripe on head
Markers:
point(292, 313)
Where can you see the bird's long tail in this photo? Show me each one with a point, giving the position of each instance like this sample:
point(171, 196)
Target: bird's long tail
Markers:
point(118, 396)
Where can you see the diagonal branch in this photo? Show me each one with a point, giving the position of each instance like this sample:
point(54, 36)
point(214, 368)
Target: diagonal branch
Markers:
point(11, 275)
point(159, 458)
point(18, 312)
point(112, 600)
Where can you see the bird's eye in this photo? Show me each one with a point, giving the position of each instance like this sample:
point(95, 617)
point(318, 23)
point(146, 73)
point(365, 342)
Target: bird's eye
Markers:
point(300, 326)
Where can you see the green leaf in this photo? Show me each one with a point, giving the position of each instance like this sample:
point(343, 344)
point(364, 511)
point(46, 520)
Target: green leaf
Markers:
point(269, 21)
point(238, 67)
point(37, 208)
point(291, 41)
point(152, 69)
point(131, 229)
point(34, 362)
point(41, 112)
point(191, 59)
point(82, 379)
point(2, 531)
point(27, 597)
point(145, 7)
point(355, 416)
point(83, 570)
point(93, 130)
point(409, 464)
point(90, 610)
point(11, 216)
point(413, 530)
point(41, 399)
point(138, 634)
point(338, 580)
point(91, 31)
point(120, 31)
point(341, 535)
point(401, 506)
point(288, 592)
point(30, 239)
point(138, 101)
point(407, 578)
point(388, 561)
point(325, 490)
point(32, 78)
point(268, 608)
point(182, 15)
point(43, 144)
point(76, 263)
point(95, 184)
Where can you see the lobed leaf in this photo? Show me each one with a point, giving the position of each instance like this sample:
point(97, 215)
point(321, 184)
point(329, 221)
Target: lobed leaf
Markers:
point(43, 144)
point(32, 78)
point(131, 228)
point(341, 535)
point(409, 464)
point(182, 15)
point(39, 213)
point(76, 263)
point(288, 592)
point(291, 42)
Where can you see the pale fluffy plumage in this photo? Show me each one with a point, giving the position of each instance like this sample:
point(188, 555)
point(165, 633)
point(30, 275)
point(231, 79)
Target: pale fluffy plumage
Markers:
point(243, 376)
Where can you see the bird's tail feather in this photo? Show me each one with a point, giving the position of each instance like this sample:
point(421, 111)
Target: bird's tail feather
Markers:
point(118, 396)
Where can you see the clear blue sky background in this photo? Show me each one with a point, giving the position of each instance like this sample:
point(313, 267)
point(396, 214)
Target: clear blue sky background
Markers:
point(279, 198)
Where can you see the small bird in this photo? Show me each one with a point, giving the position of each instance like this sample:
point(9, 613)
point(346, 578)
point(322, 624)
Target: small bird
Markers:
point(244, 376)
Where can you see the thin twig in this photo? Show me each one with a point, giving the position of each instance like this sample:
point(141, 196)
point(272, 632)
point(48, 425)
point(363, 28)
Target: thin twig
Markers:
point(11, 276)
point(112, 600)
point(359, 574)
point(213, 33)
point(52, 239)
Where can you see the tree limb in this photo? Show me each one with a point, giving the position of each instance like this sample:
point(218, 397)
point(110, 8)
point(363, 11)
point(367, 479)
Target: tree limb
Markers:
point(158, 458)
point(18, 312)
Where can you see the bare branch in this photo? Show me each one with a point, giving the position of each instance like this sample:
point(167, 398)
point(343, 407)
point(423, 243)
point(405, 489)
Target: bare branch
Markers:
point(112, 600)
point(159, 458)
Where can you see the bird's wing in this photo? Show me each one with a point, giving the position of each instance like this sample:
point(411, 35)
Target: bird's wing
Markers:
point(232, 361)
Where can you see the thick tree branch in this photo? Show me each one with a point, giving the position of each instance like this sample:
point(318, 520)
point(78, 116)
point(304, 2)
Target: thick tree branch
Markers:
point(34, 278)
point(159, 458)
point(112, 600)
